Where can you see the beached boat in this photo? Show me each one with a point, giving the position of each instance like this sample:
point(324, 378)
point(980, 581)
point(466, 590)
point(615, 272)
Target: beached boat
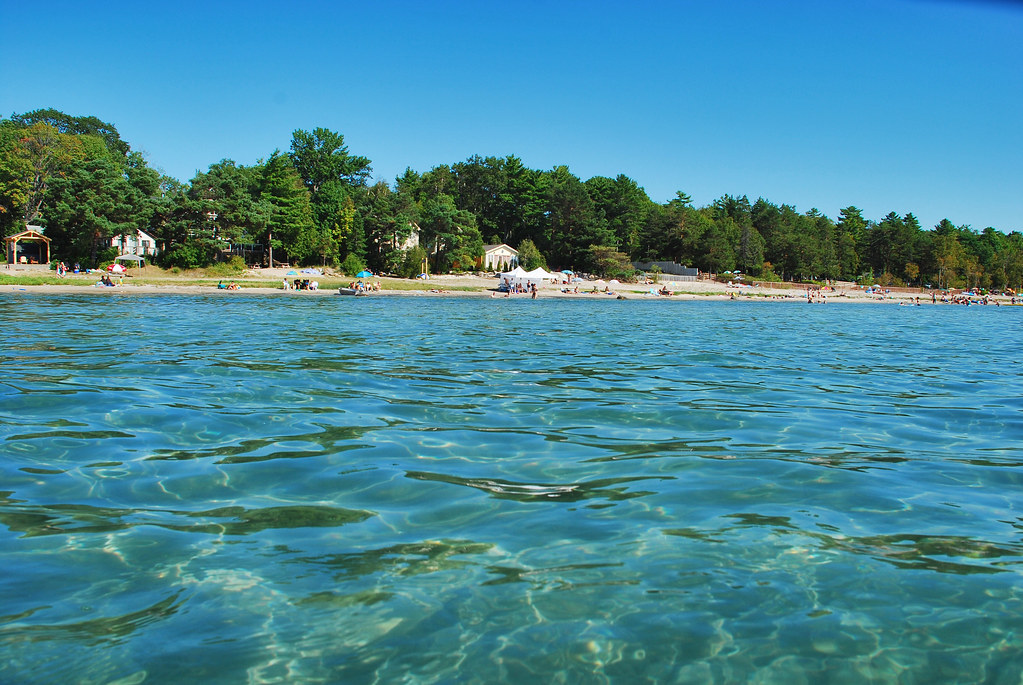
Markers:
point(351, 291)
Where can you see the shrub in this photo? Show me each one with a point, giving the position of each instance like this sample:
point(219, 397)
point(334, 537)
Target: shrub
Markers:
point(767, 274)
point(882, 279)
point(193, 255)
point(106, 256)
point(352, 265)
point(412, 264)
point(231, 267)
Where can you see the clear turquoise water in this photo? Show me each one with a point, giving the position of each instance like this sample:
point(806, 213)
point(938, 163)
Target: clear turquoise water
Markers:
point(282, 489)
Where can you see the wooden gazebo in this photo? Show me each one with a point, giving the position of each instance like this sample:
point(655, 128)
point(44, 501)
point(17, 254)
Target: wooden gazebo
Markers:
point(41, 244)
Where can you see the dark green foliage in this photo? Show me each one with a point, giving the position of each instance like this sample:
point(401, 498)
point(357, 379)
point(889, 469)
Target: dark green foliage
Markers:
point(322, 156)
point(79, 126)
point(609, 263)
point(291, 214)
point(91, 202)
point(412, 264)
point(352, 265)
point(193, 254)
point(75, 176)
point(530, 257)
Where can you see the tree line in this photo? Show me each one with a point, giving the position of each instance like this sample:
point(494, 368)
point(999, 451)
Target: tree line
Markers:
point(315, 204)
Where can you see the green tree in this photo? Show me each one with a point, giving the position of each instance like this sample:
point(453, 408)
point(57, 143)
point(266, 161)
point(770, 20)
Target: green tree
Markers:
point(88, 205)
point(573, 222)
point(850, 231)
point(530, 257)
point(77, 126)
point(15, 176)
point(450, 234)
point(608, 262)
point(291, 214)
point(50, 154)
point(624, 206)
point(224, 202)
point(751, 249)
point(673, 231)
point(322, 156)
point(389, 220)
point(950, 257)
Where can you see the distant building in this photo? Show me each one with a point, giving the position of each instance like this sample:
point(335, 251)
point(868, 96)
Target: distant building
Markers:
point(498, 258)
point(131, 243)
point(28, 247)
point(412, 241)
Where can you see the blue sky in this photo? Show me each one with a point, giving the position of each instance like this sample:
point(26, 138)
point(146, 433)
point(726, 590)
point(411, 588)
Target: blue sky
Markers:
point(896, 105)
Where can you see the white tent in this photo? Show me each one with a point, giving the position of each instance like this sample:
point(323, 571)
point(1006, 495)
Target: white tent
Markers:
point(135, 260)
point(514, 273)
point(543, 275)
point(519, 276)
point(512, 277)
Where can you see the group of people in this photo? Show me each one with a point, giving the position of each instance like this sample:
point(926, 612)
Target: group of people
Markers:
point(105, 280)
point(967, 299)
point(300, 284)
point(817, 293)
point(518, 289)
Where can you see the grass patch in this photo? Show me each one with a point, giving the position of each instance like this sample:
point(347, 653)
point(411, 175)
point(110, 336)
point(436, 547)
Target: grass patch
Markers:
point(6, 279)
point(416, 285)
point(155, 276)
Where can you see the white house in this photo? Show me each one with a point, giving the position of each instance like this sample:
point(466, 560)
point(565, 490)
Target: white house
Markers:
point(137, 244)
point(498, 258)
point(411, 241)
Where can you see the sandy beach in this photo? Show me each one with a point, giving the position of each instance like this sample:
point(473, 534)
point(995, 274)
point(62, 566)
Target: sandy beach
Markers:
point(472, 286)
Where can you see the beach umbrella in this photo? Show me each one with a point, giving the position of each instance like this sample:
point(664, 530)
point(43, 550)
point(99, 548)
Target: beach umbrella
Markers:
point(567, 271)
point(363, 274)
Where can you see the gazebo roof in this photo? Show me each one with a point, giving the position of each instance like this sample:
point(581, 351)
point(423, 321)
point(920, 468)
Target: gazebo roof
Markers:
point(30, 234)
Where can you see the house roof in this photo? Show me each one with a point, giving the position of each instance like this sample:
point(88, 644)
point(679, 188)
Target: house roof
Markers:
point(491, 248)
point(142, 235)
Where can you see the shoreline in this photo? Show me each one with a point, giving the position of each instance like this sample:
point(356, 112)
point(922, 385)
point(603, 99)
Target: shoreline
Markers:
point(484, 287)
point(712, 292)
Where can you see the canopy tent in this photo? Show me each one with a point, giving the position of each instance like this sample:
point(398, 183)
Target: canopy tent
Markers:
point(514, 273)
point(519, 276)
point(546, 275)
point(135, 260)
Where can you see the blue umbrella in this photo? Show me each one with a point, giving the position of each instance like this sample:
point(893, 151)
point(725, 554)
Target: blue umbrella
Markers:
point(363, 274)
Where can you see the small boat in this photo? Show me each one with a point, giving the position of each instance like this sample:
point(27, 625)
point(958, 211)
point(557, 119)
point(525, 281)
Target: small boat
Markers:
point(351, 291)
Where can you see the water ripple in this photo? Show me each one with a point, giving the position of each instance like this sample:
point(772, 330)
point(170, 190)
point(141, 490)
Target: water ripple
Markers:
point(400, 490)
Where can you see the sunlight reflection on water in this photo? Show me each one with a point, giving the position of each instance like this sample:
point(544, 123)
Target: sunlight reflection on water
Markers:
point(397, 490)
